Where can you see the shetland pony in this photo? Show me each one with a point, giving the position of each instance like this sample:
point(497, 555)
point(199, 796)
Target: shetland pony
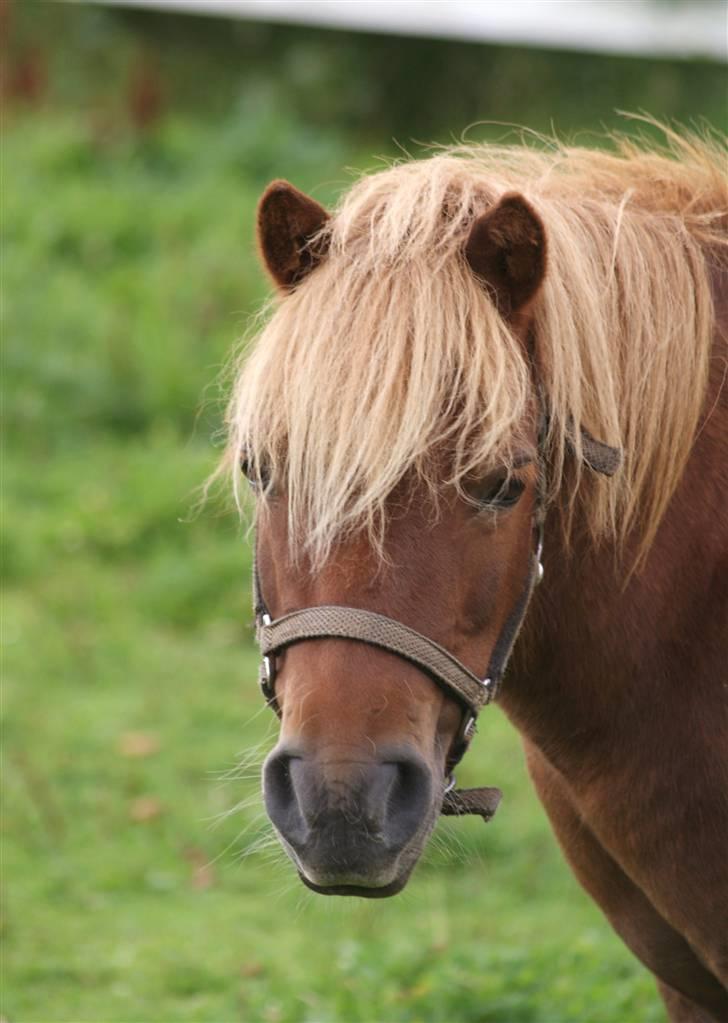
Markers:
point(444, 342)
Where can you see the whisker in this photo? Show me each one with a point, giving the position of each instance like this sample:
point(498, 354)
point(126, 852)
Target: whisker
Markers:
point(213, 822)
point(240, 835)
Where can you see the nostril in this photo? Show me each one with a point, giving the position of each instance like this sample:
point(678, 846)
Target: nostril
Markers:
point(407, 781)
point(409, 801)
point(280, 797)
point(277, 779)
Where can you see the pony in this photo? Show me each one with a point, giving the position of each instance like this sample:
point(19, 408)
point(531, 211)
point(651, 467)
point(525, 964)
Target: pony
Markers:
point(454, 351)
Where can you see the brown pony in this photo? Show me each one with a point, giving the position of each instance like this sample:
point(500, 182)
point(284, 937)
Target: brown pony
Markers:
point(448, 347)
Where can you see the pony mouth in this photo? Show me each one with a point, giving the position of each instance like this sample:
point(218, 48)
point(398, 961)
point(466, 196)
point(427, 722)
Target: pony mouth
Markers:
point(358, 891)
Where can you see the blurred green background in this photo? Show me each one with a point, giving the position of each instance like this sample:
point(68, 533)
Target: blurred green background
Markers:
point(139, 879)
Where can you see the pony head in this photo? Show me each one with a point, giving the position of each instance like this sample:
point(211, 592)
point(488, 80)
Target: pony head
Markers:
point(356, 782)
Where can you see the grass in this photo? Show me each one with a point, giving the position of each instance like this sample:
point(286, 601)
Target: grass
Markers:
point(140, 882)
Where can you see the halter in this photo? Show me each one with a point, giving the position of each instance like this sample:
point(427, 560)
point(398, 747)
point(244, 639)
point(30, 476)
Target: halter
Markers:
point(473, 692)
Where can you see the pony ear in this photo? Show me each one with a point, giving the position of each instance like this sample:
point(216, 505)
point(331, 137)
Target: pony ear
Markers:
point(507, 249)
point(288, 222)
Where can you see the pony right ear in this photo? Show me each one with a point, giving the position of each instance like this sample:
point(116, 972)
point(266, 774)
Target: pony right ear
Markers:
point(507, 249)
point(288, 223)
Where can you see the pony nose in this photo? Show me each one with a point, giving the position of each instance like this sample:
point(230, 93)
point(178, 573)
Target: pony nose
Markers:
point(346, 804)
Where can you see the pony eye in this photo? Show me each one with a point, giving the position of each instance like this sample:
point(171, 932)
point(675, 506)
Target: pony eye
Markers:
point(257, 480)
point(503, 492)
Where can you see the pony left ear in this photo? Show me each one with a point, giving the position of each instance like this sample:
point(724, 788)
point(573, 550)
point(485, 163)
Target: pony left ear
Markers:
point(507, 249)
point(288, 222)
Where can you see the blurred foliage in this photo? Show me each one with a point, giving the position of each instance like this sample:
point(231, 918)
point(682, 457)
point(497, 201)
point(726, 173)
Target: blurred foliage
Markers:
point(135, 146)
point(367, 87)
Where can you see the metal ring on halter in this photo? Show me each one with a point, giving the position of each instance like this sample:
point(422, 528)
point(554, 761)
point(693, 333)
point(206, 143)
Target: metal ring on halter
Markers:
point(462, 741)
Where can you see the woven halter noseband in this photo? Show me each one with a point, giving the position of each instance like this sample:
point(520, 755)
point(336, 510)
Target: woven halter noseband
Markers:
point(472, 692)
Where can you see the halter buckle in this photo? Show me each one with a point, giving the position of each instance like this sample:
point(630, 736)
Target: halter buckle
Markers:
point(267, 666)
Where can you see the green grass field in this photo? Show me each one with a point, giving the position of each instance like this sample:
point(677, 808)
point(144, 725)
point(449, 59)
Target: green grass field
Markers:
point(140, 882)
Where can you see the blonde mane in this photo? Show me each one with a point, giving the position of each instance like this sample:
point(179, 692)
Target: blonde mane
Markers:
point(391, 349)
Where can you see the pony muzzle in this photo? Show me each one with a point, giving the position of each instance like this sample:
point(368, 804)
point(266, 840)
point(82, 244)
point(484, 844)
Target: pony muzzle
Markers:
point(351, 826)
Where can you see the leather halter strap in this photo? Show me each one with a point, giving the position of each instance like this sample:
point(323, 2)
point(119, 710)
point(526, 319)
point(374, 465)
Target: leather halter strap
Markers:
point(329, 621)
